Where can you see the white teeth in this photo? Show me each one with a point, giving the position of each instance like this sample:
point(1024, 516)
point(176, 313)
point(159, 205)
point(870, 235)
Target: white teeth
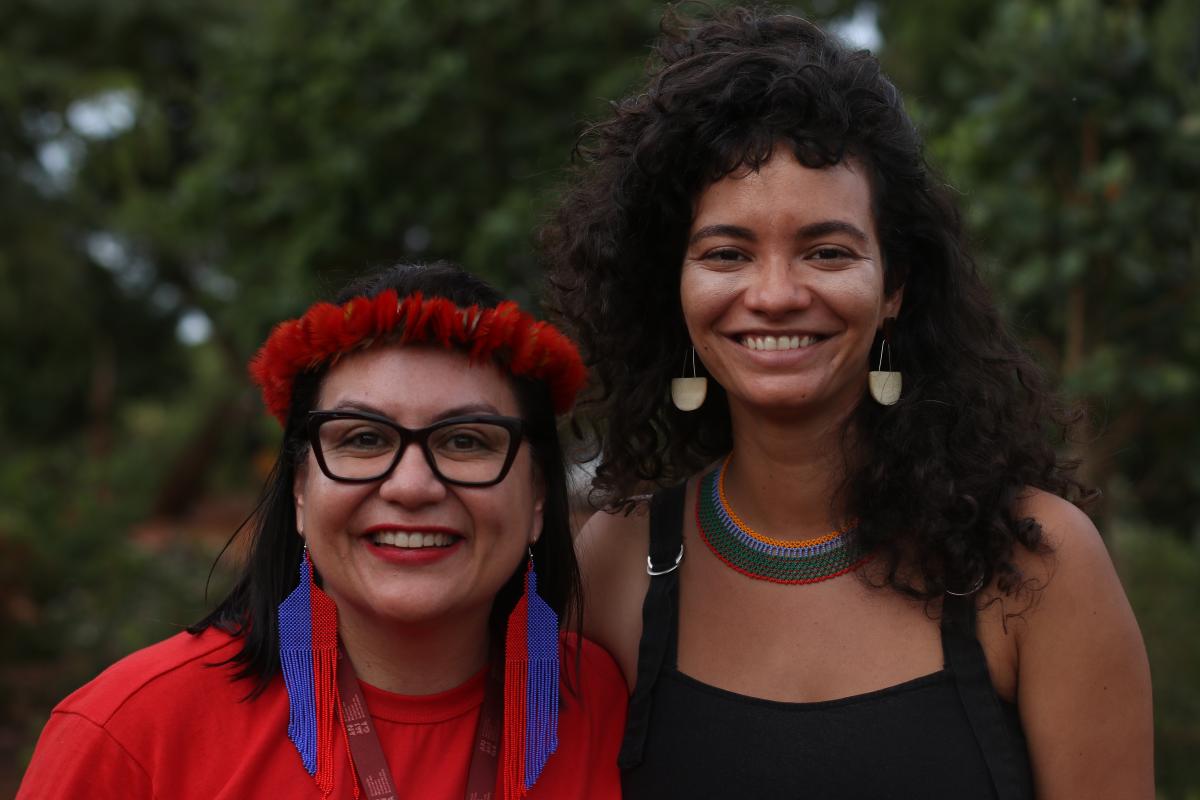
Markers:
point(778, 342)
point(412, 541)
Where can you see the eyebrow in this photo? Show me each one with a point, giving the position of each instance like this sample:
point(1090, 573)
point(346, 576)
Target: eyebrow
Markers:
point(481, 407)
point(729, 231)
point(833, 226)
point(811, 231)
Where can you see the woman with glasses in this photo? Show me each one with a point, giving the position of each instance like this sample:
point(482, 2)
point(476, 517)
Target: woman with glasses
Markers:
point(866, 577)
point(395, 631)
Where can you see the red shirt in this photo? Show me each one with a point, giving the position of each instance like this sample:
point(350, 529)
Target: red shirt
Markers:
point(162, 724)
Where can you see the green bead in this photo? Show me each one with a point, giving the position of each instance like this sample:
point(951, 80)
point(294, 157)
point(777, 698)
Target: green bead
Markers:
point(722, 536)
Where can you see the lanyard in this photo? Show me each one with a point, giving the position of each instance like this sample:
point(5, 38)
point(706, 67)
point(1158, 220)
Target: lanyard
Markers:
point(367, 754)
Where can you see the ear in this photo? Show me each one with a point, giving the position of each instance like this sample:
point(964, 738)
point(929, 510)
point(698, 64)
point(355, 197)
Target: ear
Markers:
point(892, 303)
point(539, 506)
point(298, 481)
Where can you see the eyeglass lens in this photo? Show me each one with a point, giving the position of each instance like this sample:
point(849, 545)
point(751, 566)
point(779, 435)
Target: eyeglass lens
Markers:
point(365, 449)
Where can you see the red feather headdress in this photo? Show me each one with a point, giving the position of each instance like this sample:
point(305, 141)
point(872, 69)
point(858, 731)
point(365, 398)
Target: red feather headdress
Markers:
point(506, 334)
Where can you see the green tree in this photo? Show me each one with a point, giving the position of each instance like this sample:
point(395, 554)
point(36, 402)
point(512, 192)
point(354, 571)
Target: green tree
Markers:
point(1073, 130)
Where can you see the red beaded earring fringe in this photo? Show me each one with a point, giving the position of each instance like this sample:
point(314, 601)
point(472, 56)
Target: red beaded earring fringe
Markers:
point(325, 692)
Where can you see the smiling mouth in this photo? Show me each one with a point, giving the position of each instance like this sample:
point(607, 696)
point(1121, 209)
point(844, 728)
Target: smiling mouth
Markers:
point(414, 540)
point(779, 342)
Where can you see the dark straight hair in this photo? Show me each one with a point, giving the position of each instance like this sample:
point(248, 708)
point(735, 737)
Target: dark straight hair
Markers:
point(272, 566)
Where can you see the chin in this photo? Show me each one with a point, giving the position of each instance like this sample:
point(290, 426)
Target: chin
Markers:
point(780, 396)
point(404, 608)
point(799, 402)
point(411, 614)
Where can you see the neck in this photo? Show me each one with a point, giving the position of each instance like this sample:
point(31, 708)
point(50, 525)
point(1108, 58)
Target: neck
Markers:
point(785, 472)
point(414, 659)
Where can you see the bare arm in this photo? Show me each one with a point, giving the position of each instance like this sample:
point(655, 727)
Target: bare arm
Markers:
point(1083, 680)
point(612, 557)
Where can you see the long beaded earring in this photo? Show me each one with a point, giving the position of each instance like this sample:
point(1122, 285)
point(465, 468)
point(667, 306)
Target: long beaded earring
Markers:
point(308, 659)
point(531, 671)
point(688, 393)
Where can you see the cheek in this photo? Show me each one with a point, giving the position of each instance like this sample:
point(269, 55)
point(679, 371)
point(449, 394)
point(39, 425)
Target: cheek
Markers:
point(523, 505)
point(327, 508)
point(687, 296)
point(703, 295)
point(499, 509)
point(857, 298)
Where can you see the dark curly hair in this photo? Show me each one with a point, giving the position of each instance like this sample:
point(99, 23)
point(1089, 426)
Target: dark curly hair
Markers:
point(932, 480)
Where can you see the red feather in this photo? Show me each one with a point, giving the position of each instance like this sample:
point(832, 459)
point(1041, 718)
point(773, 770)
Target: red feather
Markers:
point(514, 339)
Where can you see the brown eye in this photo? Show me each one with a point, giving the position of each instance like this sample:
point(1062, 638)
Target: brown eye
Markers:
point(831, 254)
point(724, 255)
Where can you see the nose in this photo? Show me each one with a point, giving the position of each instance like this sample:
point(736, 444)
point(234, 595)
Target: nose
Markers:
point(412, 482)
point(777, 287)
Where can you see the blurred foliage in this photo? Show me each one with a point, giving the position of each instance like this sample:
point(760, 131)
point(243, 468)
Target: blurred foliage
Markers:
point(1074, 135)
point(1162, 577)
point(176, 175)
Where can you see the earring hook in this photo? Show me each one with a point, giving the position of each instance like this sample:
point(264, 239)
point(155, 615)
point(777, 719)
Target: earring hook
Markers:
point(685, 362)
point(882, 348)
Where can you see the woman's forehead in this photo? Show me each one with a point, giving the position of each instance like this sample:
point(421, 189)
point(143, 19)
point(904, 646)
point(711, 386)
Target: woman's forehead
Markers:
point(785, 192)
point(417, 382)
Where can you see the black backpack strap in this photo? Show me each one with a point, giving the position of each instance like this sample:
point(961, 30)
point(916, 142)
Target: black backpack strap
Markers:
point(968, 665)
point(659, 612)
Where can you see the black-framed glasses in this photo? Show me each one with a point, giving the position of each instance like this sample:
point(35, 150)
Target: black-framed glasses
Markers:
point(357, 447)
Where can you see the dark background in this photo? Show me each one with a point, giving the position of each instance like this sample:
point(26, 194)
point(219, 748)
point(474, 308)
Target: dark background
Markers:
point(176, 175)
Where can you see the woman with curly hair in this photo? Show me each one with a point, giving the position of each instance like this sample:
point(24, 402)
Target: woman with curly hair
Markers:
point(868, 575)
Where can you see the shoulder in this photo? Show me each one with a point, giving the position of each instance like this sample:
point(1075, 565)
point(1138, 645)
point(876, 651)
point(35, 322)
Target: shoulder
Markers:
point(607, 535)
point(1062, 521)
point(77, 757)
point(182, 661)
point(108, 738)
point(612, 551)
point(610, 543)
point(593, 719)
point(598, 675)
point(1075, 599)
point(1073, 564)
point(1067, 581)
point(1092, 729)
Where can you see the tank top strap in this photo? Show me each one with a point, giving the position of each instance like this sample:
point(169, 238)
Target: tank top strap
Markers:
point(659, 616)
point(966, 662)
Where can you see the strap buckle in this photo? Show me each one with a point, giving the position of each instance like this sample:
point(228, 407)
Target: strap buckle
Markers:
point(654, 573)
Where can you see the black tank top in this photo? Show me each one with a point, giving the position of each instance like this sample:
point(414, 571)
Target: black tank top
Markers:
point(945, 735)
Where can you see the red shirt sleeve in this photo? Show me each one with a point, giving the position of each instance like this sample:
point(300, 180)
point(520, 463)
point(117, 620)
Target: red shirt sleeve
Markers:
point(608, 696)
point(75, 757)
point(591, 724)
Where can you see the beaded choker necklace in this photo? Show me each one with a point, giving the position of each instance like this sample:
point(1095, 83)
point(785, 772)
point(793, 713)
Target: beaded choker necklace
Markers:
point(761, 557)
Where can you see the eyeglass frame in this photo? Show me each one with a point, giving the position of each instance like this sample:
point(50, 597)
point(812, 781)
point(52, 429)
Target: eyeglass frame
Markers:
point(419, 436)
